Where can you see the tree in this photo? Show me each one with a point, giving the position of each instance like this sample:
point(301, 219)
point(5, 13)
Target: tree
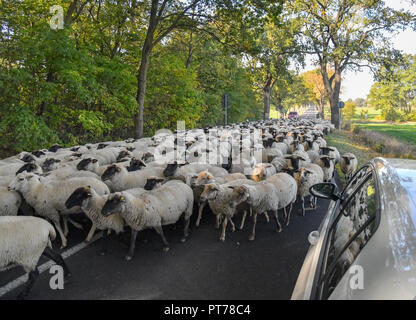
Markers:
point(345, 34)
point(349, 110)
point(163, 17)
point(395, 92)
point(314, 81)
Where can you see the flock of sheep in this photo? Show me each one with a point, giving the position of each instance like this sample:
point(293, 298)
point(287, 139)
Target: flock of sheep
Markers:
point(250, 168)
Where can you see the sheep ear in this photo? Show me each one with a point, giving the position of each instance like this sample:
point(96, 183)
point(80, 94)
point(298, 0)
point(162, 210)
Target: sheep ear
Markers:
point(231, 187)
point(118, 169)
point(302, 158)
point(122, 199)
point(94, 160)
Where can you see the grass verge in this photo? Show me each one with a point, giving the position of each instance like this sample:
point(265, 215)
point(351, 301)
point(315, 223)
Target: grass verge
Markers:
point(343, 141)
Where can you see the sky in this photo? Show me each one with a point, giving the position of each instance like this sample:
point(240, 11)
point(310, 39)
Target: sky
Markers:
point(358, 85)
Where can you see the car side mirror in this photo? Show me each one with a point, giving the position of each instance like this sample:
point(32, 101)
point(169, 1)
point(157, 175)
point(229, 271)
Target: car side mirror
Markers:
point(325, 191)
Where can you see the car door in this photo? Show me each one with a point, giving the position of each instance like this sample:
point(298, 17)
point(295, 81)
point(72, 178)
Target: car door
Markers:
point(353, 223)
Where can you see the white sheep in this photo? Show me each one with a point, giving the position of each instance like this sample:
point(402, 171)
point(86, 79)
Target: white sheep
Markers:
point(121, 179)
point(48, 196)
point(204, 178)
point(307, 177)
point(263, 171)
point(219, 198)
point(328, 167)
point(22, 241)
point(348, 164)
point(287, 189)
point(10, 202)
point(91, 204)
point(262, 197)
point(153, 209)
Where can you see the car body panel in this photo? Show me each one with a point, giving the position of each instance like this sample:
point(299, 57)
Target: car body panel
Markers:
point(389, 258)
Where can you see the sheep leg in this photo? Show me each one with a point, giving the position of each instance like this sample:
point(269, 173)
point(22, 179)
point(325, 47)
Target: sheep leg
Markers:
point(75, 224)
point(288, 214)
point(33, 275)
point(276, 217)
point(65, 226)
point(91, 233)
point(243, 220)
point(232, 225)
point(218, 221)
point(61, 233)
point(303, 206)
point(186, 229)
point(253, 231)
point(224, 227)
point(285, 214)
point(49, 253)
point(104, 247)
point(267, 217)
point(159, 230)
point(200, 210)
point(133, 236)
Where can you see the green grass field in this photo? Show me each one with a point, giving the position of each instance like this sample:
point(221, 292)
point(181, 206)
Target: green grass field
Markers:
point(402, 131)
point(344, 144)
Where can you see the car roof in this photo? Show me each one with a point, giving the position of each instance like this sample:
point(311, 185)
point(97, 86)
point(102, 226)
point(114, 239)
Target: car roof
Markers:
point(389, 258)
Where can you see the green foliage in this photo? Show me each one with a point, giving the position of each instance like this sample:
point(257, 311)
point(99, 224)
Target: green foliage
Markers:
point(349, 111)
point(395, 92)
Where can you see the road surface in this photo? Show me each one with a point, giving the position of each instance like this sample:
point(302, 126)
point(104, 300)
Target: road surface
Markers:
point(201, 268)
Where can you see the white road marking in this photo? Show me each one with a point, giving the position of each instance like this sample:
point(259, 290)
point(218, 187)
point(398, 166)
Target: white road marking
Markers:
point(45, 266)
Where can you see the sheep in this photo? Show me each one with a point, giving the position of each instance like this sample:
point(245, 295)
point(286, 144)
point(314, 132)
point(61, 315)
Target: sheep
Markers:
point(332, 152)
point(121, 179)
point(48, 196)
point(287, 189)
point(348, 164)
point(327, 165)
point(10, 202)
point(204, 178)
point(313, 155)
point(262, 197)
point(153, 209)
point(22, 241)
point(263, 171)
point(91, 204)
point(219, 198)
point(270, 153)
point(306, 178)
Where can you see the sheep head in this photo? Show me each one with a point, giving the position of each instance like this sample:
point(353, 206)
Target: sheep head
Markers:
point(152, 182)
point(50, 164)
point(29, 167)
point(85, 164)
point(240, 194)
point(115, 204)
point(110, 172)
point(135, 164)
point(78, 197)
point(258, 173)
point(210, 192)
point(20, 183)
point(204, 177)
point(122, 154)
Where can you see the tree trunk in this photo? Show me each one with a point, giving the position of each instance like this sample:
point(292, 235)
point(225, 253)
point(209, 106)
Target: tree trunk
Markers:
point(334, 99)
point(144, 66)
point(141, 92)
point(267, 90)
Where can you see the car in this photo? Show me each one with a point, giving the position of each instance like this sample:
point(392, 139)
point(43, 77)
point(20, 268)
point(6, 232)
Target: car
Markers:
point(365, 247)
point(293, 115)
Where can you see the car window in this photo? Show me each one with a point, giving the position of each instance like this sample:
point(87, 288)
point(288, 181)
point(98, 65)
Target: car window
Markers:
point(355, 181)
point(349, 233)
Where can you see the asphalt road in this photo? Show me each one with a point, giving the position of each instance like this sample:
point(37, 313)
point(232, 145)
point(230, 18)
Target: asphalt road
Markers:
point(201, 268)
